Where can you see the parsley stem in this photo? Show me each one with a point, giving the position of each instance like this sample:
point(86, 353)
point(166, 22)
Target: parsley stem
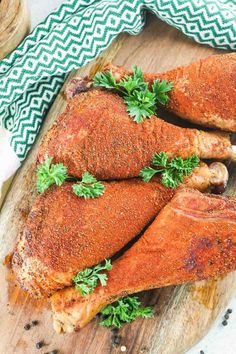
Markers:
point(124, 92)
point(71, 178)
point(160, 171)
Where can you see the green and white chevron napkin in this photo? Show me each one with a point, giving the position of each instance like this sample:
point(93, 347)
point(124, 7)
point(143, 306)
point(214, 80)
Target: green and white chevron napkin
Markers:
point(31, 77)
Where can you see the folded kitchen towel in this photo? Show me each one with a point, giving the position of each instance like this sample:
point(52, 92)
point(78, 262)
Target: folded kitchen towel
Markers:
point(31, 77)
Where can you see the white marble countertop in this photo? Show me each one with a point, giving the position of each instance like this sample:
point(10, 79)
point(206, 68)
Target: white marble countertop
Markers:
point(220, 339)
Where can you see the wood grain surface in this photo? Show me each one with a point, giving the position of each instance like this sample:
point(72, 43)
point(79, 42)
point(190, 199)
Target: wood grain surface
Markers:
point(183, 314)
point(14, 24)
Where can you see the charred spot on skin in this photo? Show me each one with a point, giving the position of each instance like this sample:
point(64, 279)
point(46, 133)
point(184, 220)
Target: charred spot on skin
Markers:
point(230, 244)
point(204, 243)
point(193, 262)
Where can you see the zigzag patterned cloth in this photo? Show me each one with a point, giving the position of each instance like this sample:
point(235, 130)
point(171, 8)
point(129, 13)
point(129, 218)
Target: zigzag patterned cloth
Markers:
point(31, 77)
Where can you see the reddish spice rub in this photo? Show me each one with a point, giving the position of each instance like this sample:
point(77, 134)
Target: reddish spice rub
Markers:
point(204, 91)
point(96, 134)
point(192, 238)
point(65, 234)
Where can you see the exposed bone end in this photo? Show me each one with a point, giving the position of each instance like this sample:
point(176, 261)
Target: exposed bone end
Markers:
point(60, 326)
point(199, 179)
point(233, 154)
point(77, 85)
point(71, 311)
point(204, 177)
point(219, 177)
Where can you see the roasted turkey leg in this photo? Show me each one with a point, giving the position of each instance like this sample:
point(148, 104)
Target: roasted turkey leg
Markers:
point(204, 91)
point(96, 134)
point(193, 238)
point(65, 234)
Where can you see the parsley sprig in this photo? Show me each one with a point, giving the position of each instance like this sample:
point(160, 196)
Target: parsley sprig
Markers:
point(49, 174)
point(172, 171)
point(123, 311)
point(89, 187)
point(87, 280)
point(140, 100)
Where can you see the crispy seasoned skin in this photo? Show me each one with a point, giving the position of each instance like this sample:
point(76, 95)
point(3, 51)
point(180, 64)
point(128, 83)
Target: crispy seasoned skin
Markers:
point(65, 233)
point(96, 134)
point(193, 238)
point(204, 91)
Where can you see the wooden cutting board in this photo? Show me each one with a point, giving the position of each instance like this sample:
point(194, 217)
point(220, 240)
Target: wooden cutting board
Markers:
point(183, 314)
point(14, 24)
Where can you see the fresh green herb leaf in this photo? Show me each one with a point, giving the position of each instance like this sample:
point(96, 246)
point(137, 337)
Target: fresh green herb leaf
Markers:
point(160, 159)
point(138, 74)
point(128, 85)
point(172, 171)
point(147, 173)
point(87, 280)
point(140, 105)
point(49, 174)
point(160, 89)
point(89, 187)
point(88, 178)
point(171, 178)
point(105, 80)
point(124, 311)
point(140, 100)
point(186, 165)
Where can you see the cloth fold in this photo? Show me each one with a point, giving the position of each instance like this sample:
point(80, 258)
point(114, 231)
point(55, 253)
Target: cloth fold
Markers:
point(76, 33)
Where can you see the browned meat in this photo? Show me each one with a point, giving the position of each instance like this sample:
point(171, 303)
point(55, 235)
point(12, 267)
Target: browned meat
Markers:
point(204, 91)
point(65, 234)
point(96, 134)
point(193, 238)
